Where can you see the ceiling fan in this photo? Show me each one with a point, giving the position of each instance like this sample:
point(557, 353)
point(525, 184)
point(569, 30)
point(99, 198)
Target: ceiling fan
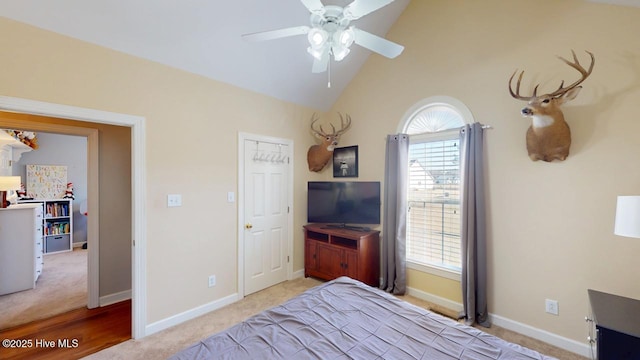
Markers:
point(330, 33)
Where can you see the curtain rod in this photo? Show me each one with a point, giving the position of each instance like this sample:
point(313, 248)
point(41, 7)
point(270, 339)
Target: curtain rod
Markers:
point(453, 129)
point(482, 125)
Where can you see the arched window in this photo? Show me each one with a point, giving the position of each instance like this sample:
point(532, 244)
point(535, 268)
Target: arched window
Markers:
point(435, 114)
point(433, 221)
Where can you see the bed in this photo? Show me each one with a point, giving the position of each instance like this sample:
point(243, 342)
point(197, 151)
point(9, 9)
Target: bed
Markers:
point(346, 319)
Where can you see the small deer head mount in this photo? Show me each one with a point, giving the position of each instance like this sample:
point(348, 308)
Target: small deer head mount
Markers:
point(549, 136)
point(319, 155)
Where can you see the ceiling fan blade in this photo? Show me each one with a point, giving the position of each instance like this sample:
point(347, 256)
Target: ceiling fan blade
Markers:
point(377, 44)
point(276, 34)
point(360, 8)
point(314, 6)
point(321, 65)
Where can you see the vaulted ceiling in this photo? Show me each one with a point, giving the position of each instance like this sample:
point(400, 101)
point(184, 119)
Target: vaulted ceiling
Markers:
point(204, 37)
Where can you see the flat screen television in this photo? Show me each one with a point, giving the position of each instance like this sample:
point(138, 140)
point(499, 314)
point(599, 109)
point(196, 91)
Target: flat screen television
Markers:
point(343, 203)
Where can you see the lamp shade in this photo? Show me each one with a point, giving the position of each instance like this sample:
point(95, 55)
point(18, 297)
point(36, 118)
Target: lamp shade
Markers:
point(317, 37)
point(9, 183)
point(628, 216)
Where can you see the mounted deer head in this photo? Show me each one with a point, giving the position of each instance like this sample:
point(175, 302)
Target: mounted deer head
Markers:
point(549, 136)
point(319, 155)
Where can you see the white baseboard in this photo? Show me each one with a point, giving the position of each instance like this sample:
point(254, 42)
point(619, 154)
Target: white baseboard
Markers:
point(189, 314)
point(200, 310)
point(542, 335)
point(115, 298)
point(524, 329)
point(435, 299)
point(297, 274)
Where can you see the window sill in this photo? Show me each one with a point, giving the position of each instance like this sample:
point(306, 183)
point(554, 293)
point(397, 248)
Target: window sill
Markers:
point(435, 270)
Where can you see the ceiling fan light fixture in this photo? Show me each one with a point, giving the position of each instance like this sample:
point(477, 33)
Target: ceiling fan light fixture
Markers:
point(330, 35)
point(344, 37)
point(317, 37)
point(340, 52)
point(316, 52)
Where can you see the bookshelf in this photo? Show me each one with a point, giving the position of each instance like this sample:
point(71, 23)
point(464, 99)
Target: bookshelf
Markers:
point(57, 224)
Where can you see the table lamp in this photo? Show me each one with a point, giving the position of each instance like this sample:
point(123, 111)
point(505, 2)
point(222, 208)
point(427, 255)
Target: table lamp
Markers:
point(628, 216)
point(8, 183)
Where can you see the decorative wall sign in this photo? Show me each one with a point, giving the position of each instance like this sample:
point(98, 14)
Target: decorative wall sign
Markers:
point(46, 181)
point(345, 161)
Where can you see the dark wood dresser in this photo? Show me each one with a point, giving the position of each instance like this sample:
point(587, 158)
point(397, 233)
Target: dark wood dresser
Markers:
point(617, 321)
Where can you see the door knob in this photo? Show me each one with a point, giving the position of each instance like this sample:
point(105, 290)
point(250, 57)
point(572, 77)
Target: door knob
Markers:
point(248, 226)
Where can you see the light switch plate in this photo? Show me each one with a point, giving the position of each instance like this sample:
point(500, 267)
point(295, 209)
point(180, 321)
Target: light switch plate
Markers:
point(174, 200)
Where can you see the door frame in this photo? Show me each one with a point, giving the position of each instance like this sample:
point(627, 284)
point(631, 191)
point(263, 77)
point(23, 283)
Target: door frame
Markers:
point(93, 223)
point(242, 137)
point(138, 198)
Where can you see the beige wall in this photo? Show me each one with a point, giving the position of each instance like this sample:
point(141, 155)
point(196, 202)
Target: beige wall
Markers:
point(191, 131)
point(550, 225)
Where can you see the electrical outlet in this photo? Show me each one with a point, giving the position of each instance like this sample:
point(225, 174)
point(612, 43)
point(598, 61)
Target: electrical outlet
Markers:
point(212, 281)
point(551, 306)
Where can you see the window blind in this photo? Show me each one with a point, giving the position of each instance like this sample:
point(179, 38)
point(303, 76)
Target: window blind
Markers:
point(433, 221)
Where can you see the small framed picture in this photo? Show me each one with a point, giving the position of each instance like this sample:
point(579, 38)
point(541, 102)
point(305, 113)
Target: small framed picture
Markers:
point(345, 161)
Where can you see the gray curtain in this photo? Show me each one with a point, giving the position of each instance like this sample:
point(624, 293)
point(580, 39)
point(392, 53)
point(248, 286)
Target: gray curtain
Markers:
point(474, 238)
point(394, 232)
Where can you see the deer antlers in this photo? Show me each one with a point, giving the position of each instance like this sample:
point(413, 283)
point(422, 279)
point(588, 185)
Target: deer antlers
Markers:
point(319, 155)
point(549, 136)
point(561, 90)
point(322, 133)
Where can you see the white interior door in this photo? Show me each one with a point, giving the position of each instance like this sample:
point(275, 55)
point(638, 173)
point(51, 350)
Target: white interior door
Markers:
point(266, 234)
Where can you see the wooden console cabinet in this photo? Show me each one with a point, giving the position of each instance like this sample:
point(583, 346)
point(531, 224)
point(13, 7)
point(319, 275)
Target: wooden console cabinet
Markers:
point(333, 252)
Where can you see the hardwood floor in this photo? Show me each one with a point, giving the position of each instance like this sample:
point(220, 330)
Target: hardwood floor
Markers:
point(71, 335)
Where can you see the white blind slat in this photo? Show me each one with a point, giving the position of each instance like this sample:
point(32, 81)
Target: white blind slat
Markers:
point(433, 221)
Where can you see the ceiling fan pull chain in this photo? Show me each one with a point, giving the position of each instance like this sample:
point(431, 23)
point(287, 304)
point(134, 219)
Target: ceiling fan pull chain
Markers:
point(329, 74)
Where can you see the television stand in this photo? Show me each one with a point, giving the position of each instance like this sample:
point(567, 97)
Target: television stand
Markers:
point(348, 227)
point(331, 252)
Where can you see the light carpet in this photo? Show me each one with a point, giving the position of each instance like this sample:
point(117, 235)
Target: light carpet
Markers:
point(61, 287)
point(167, 342)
